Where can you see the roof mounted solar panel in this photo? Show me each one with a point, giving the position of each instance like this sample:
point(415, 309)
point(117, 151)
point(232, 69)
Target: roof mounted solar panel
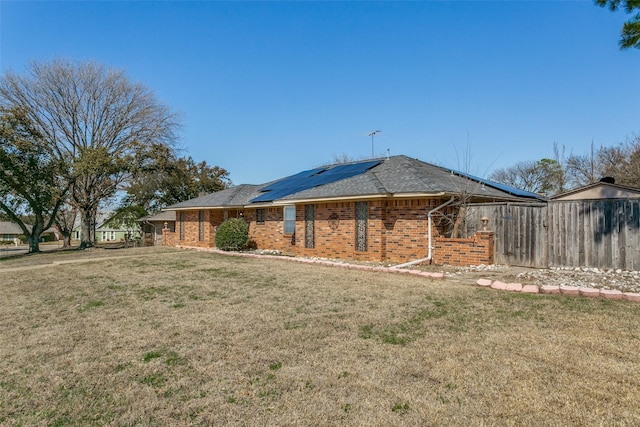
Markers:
point(312, 178)
point(503, 187)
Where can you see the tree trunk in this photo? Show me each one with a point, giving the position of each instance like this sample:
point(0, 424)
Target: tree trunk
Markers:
point(34, 240)
point(65, 220)
point(87, 234)
point(66, 240)
point(460, 224)
point(34, 236)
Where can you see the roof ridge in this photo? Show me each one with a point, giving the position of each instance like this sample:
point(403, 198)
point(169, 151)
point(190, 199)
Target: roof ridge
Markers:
point(411, 168)
point(378, 184)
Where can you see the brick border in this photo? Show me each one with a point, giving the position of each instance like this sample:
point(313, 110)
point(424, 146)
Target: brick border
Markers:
point(560, 290)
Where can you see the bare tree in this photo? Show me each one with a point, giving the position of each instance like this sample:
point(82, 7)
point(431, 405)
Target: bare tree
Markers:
point(93, 119)
point(583, 169)
point(525, 175)
point(621, 162)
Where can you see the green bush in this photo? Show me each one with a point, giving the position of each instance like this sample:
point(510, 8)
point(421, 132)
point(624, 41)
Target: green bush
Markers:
point(232, 235)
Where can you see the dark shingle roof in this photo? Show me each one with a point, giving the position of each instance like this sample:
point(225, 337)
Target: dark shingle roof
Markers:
point(231, 197)
point(397, 175)
point(403, 175)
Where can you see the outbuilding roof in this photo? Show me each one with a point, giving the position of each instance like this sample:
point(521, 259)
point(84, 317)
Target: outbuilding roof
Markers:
point(600, 190)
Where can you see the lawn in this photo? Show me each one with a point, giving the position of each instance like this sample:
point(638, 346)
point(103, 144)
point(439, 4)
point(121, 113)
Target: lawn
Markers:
point(147, 338)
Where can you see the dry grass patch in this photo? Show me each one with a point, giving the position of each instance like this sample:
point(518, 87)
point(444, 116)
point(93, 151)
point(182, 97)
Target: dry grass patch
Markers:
point(204, 339)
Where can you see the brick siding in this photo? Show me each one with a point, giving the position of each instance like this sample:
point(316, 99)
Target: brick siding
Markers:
point(475, 250)
point(396, 232)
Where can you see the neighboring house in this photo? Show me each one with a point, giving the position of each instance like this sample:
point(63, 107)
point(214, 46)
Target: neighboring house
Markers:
point(384, 210)
point(106, 232)
point(152, 226)
point(10, 231)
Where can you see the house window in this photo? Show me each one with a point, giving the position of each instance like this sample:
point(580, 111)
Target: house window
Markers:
point(181, 225)
point(104, 236)
point(289, 219)
point(259, 216)
point(362, 214)
point(201, 225)
point(112, 235)
point(309, 220)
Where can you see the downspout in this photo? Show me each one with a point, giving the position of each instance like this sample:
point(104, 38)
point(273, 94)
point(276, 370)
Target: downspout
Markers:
point(429, 255)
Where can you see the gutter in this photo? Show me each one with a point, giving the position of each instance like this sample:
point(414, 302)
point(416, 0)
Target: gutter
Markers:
point(429, 254)
point(282, 202)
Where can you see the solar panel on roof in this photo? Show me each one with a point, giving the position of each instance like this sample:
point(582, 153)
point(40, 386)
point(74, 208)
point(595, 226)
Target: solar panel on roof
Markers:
point(499, 186)
point(312, 178)
point(291, 180)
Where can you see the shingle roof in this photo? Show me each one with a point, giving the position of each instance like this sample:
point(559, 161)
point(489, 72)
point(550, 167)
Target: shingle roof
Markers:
point(160, 216)
point(403, 175)
point(231, 197)
point(397, 175)
point(10, 228)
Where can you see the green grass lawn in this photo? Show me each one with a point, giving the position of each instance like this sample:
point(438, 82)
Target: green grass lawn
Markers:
point(168, 337)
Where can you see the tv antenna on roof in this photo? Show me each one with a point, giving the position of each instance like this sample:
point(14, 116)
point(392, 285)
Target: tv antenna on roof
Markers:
point(372, 134)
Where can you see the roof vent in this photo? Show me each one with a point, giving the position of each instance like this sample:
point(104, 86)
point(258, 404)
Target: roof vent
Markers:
point(608, 180)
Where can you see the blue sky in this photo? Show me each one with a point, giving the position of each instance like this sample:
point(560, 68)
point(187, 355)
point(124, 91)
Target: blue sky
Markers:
point(267, 89)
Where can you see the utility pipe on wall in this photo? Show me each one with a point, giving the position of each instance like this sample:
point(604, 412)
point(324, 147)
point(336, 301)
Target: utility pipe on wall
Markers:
point(428, 258)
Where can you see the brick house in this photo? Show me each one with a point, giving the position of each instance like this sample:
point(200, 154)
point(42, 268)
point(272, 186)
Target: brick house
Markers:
point(393, 210)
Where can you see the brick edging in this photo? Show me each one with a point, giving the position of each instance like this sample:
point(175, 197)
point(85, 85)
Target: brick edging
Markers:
point(560, 290)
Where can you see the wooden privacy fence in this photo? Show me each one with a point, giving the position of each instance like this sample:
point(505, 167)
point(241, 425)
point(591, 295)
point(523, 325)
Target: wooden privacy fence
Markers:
point(578, 233)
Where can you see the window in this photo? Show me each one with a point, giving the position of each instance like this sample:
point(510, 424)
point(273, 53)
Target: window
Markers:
point(259, 216)
point(362, 214)
point(201, 225)
point(309, 220)
point(104, 236)
point(112, 235)
point(181, 225)
point(289, 219)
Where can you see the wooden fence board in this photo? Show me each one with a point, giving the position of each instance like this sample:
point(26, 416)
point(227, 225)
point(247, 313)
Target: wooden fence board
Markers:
point(592, 233)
